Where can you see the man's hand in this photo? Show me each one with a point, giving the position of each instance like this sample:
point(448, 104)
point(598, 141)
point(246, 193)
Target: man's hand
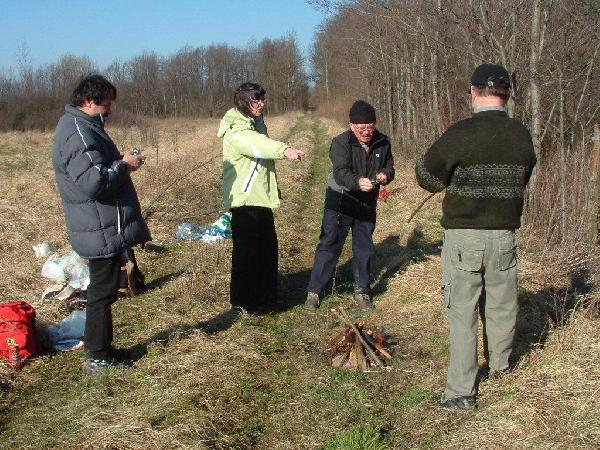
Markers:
point(292, 154)
point(382, 178)
point(134, 162)
point(365, 184)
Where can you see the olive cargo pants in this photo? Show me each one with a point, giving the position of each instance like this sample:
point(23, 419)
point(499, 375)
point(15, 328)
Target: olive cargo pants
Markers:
point(478, 264)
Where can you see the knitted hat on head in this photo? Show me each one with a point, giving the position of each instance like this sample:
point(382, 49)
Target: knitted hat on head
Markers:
point(362, 112)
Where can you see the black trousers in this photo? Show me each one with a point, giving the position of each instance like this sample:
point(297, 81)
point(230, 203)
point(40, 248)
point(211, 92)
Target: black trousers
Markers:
point(254, 259)
point(334, 230)
point(102, 292)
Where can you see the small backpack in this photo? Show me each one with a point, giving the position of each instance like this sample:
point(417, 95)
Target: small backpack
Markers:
point(17, 332)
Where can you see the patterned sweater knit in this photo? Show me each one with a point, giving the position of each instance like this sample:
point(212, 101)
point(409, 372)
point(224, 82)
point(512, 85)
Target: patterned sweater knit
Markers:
point(484, 163)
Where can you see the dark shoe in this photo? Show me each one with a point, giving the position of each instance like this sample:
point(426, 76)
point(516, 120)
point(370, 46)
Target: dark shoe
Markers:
point(457, 403)
point(153, 246)
point(312, 301)
point(363, 301)
point(121, 355)
point(95, 365)
point(120, 358)
point(237, 311)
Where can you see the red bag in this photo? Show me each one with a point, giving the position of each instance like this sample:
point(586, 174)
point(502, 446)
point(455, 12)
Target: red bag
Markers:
point(17, 332)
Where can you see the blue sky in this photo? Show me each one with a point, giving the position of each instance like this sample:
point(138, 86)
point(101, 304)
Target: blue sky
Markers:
point(108, 29)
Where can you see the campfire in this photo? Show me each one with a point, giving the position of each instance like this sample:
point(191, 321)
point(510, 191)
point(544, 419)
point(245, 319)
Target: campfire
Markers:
point(357, 346)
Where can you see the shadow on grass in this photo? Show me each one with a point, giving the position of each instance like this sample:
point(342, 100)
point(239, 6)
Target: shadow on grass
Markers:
point(538, 313)
point(216, 324)
point(390, 258)
point(161, 281)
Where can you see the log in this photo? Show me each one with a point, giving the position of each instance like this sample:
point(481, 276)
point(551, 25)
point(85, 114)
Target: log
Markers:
point(361, 360)
point(339, 360)
point(344, 318)
point(352, 362)
point(377, 347)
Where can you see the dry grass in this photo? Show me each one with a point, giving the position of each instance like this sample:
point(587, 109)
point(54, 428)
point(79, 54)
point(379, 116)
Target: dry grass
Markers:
point(552, 400)
point(207, 381)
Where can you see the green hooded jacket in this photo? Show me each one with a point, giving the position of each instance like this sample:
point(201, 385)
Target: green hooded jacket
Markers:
point(249, 177)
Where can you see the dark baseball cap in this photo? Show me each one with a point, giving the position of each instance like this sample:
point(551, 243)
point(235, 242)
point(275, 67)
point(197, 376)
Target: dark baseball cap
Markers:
point(491, 75)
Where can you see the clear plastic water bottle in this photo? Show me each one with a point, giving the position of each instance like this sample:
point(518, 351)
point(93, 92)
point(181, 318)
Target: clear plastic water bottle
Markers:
point(223, 223)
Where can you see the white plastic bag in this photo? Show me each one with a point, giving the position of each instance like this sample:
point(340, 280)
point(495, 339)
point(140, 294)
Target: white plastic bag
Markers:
point(44, 249)
point(69, 268)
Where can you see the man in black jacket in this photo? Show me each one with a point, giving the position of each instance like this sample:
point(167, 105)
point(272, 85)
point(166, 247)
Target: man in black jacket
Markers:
point(362, 161)
point(101, 208)
point(484, 163)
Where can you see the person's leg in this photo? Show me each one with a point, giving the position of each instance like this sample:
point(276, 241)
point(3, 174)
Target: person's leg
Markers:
point(362, 251)
point(462, 260)
point(268, 260)
point(501, 298)
point(245, 234)
point(101, 294)
point(329, 248)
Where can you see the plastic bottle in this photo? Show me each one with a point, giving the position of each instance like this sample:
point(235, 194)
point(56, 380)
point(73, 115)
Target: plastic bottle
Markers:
point(15, 360)
point(223, 223)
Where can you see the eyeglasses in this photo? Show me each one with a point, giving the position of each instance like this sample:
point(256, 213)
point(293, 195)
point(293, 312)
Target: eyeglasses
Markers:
point(364, 128)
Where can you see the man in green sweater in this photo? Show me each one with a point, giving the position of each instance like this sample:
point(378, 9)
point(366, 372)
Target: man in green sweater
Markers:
point(484, 163)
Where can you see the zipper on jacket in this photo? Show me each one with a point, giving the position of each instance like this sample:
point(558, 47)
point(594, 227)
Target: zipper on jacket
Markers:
point(252, 175)
point(119, 216)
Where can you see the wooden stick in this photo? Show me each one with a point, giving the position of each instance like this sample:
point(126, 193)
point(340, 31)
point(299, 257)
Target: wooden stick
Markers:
point(380, 350)
point(344, 317)
point(414, 213)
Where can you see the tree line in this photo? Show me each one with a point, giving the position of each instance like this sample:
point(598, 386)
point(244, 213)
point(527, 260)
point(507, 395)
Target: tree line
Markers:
point(414, 59)
point(411, 58)
point(193, 82)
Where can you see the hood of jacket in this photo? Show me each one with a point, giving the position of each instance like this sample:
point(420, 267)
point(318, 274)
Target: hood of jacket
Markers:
point(234, 120)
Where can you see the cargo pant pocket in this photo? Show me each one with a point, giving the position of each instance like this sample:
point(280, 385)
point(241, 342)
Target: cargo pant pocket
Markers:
point(467, 257)
point(507, 252)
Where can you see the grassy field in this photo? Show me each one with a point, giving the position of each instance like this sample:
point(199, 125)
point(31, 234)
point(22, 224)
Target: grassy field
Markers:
point(205, 380)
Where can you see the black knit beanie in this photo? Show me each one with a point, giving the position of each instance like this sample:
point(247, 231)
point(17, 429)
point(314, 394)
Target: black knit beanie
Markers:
point(362, 112)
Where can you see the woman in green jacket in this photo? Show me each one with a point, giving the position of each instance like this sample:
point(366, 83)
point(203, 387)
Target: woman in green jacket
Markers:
point(250, 192)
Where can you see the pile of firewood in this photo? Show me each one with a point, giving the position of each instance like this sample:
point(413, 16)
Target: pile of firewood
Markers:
point(357, 346)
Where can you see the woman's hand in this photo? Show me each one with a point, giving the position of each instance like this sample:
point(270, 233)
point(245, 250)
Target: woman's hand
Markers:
point(292, 154)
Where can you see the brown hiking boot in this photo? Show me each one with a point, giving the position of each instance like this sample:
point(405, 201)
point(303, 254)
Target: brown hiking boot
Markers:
point(363, 301)
point(312, 301)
